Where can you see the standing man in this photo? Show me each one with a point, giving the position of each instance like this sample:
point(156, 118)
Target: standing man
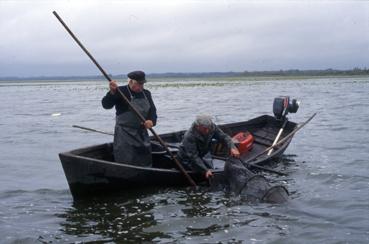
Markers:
point(131, 139)
point(194, 151)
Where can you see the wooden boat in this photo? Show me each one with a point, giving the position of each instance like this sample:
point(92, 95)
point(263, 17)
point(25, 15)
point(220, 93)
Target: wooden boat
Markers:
point(92, 170)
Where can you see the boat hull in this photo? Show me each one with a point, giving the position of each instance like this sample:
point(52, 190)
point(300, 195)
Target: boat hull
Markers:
point(92, 171)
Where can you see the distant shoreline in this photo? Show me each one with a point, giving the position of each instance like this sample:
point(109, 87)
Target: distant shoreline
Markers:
point(288, 74)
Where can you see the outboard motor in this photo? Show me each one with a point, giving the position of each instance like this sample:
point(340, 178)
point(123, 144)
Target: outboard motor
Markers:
point(283, 105)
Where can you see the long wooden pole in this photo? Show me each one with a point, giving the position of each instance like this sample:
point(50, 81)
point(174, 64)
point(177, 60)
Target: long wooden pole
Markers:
point(139, 115)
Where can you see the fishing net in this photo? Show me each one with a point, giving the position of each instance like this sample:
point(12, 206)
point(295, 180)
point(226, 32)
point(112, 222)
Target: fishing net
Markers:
point(251, 187)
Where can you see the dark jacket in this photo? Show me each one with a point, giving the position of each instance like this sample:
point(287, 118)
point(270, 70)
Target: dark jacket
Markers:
point(195, 146)
point(110, 100)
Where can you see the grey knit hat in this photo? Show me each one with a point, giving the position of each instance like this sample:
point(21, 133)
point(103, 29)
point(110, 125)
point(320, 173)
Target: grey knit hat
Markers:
point(204, 120)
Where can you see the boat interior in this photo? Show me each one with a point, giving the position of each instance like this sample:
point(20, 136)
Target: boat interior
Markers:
point(264, 129)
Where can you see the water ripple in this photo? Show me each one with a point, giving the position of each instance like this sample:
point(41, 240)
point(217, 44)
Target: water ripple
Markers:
point(326, 164)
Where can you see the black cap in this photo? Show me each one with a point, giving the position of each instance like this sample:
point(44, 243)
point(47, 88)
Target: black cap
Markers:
point(139, 76)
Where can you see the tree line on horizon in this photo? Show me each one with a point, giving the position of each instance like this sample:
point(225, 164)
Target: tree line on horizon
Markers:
point(290, 72)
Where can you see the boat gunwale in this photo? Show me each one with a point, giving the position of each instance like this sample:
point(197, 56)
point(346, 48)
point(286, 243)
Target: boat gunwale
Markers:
point(75, 153)
point(70, 154)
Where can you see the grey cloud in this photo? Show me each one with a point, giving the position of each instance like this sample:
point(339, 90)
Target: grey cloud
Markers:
point(182, 36)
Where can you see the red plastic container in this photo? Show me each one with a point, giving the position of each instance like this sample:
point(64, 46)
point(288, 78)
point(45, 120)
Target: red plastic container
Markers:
point(244, 141)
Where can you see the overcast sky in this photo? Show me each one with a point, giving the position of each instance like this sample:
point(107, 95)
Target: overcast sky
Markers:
point(182, 36)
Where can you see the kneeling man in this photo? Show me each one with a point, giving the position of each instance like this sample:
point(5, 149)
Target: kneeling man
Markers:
point(194, 151)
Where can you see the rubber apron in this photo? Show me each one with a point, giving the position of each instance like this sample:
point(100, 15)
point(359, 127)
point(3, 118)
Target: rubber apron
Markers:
point(131, 140)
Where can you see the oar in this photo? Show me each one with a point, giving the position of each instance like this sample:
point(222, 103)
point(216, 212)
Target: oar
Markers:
point(278, 135)
point(170, 145)
point(93, 130)
point(282, 140)
point(127, 101)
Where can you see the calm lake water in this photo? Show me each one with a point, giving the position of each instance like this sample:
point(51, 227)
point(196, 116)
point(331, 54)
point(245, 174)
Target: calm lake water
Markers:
point(327, 164)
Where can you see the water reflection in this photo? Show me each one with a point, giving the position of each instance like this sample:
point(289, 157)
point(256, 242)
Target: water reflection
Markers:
point(160, 215)
point(328, 178)
point(165, 215)
point(119, 218)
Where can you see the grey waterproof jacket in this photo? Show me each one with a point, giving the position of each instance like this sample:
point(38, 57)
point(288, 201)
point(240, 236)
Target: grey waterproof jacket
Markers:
point(195, 146)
